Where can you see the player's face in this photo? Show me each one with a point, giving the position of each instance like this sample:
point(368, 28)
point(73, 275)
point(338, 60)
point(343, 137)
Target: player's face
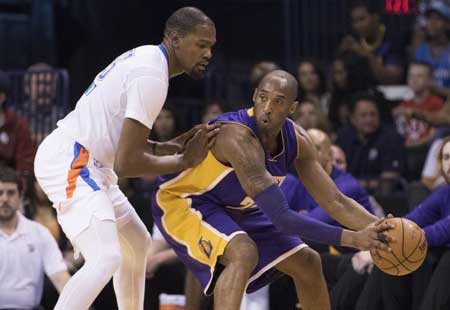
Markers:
point(365, 117)
point(9, 201)
point(273, 103)
point(195, 50)
point(446, 161)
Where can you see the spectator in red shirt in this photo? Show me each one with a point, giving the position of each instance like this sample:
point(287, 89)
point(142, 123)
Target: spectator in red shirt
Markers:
point(16, 147)
point(417, 133)
point(420, 80)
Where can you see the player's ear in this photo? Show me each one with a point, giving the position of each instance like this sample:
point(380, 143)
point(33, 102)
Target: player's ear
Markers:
point(293, 107)
point(175, 38)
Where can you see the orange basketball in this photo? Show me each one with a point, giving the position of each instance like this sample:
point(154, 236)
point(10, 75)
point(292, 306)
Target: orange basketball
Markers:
point(408, 249)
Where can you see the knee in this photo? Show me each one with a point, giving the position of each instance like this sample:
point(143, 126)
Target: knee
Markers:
point(241, 251)
point(307, 266)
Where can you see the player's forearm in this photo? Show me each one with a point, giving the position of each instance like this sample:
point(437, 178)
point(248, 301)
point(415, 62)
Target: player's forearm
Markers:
point(350, 214)
point(275, 206)
point(148, 164)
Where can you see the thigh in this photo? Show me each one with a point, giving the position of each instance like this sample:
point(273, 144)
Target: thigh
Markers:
point(198, 232)
point(99, 238)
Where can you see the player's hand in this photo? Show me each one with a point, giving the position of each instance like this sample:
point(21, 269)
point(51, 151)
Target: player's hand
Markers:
point(372, 236)
point(198, 146)
point(362, 262)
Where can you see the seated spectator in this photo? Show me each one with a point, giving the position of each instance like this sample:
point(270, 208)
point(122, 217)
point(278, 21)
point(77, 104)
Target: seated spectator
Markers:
point(417, 133)
point(309, 115)
point(165, 126)
point(382, 51)
point(28, 251)
point(211, 111)
point(41, 107)
point(259, 70)
point(350, 73)
point(426, 288)
point(338, 157)
point(431, 174)
point(312, 83)
point(436, 50)
point(375, 152)
point(16, 147)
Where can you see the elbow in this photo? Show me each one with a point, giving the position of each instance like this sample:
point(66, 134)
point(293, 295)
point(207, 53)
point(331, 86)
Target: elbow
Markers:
point(121, 166)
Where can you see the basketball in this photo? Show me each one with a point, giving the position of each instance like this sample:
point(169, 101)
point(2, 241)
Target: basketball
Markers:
point(409, 248)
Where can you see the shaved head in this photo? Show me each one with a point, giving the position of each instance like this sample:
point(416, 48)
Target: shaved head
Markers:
point(322, 143)
point(185, 20)
point(286, 80)
point(319, 137)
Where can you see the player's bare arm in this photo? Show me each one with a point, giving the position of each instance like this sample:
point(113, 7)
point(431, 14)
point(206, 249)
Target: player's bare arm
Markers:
point(340, 207)
point(238, 147)
point(135, 155)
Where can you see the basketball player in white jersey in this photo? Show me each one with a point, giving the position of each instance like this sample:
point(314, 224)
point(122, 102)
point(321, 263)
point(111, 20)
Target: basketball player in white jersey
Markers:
point(105, 136)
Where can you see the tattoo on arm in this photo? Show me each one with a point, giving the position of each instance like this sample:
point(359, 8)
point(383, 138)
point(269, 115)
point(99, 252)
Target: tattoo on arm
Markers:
point(237, 146)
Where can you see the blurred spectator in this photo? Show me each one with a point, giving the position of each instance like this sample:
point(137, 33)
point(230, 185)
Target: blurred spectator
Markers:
point(338, 157)
point(165, 127)
point(375, 152)
point(27, 251)
point(309, 115)
point(431, 173)
point(312, 83)
point(382, 51)
point(420, 80)
point(436, 50)
point(40, 106)
point(16, 147)
point(350, 73)
point(259, 70)
point(211, 111)
point(417, 133)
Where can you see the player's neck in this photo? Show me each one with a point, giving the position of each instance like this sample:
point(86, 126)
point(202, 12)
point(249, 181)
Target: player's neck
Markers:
point(269, 140)
point(173, 65)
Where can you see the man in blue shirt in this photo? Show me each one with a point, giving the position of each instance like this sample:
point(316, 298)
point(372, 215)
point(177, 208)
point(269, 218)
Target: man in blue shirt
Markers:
point(437, 50)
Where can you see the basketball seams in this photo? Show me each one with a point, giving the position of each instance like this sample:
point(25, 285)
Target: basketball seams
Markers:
point(394, 259)
point(414, 250)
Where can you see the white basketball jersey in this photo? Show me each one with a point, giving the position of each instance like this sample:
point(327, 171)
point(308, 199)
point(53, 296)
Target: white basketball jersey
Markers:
point(134, 85)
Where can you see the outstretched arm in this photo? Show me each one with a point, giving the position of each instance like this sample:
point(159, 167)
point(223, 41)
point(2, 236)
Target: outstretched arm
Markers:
point(236, 146)
point(318, 183)
point(135, 154)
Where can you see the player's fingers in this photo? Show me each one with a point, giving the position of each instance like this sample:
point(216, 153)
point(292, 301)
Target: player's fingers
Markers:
point(213, 126)
point(213, 133)
point(380, 245)
point(382, 227)
point(211, 142)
